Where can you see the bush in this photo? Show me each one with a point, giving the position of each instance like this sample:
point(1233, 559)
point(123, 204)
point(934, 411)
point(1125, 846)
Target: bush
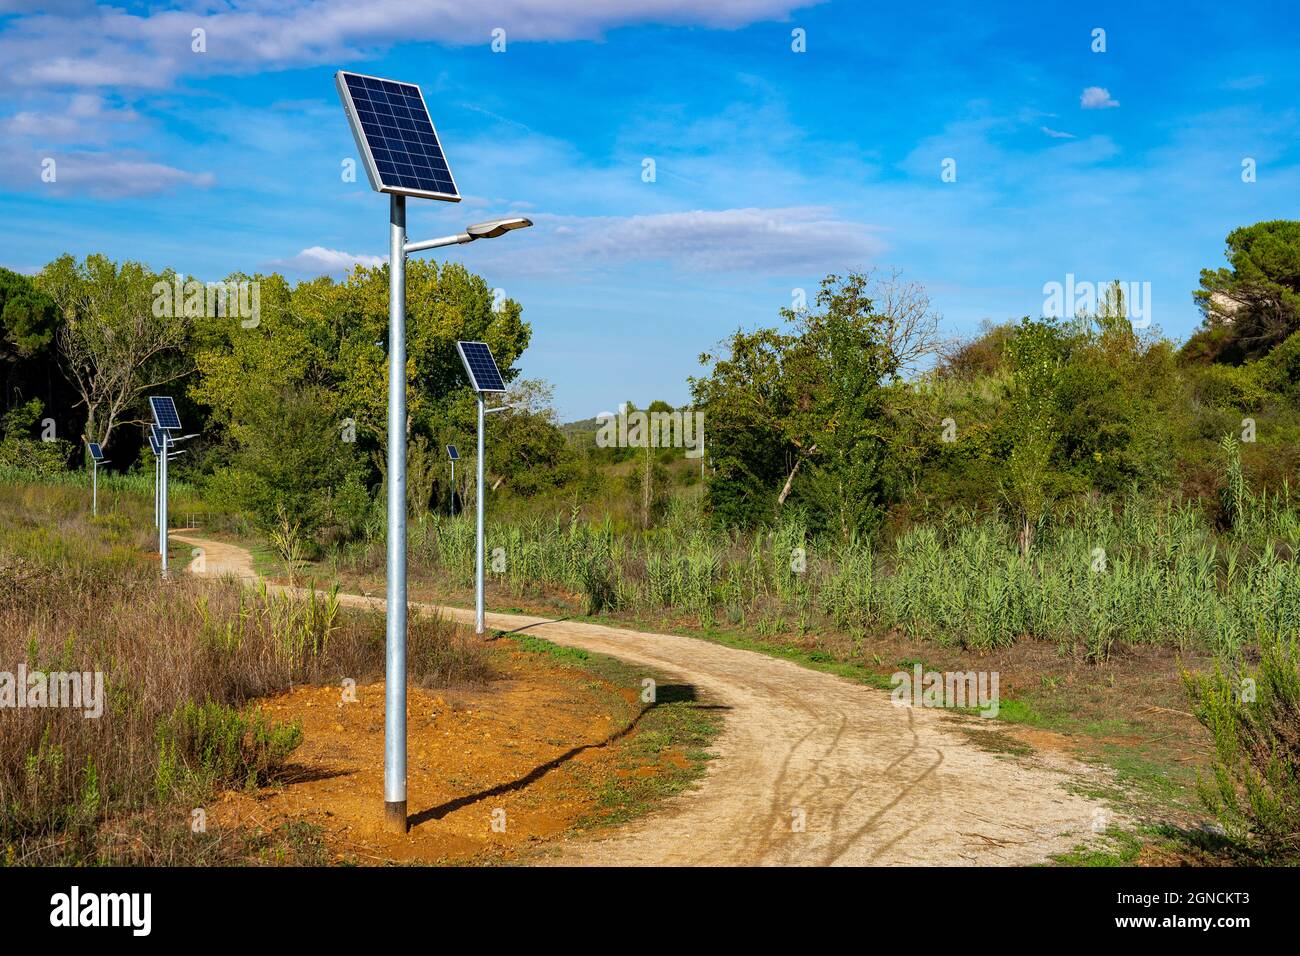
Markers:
point(1254, 720)
point(181, 666)
point(217, 746)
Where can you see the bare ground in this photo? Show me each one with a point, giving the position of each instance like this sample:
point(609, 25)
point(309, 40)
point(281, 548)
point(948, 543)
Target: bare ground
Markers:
point(811, 769)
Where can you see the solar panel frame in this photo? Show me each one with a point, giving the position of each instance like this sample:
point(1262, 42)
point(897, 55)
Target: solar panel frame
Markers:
point(397, 150)
point(164, 412)
point(153, 443)
point(481, 367)
point(453, 453)
point(96, 451)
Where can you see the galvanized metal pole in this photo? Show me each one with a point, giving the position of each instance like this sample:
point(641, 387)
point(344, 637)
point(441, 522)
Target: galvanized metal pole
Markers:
point(478, 538)
point(155, 492)
point(395, 658)
point(94, 485)
point(452, 508)
point(162, 505)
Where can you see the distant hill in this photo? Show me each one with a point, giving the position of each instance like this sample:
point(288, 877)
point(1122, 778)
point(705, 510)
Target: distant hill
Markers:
point(582, 433)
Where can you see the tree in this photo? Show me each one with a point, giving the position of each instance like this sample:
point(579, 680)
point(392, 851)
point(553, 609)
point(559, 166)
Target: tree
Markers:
point(840, 364)
point(527, 452)
point(747, 405)
point(328, 341)
point(1034, 353)
point(812, 400)
point(28, 317)
point(115, 348)
point(1254, 305)
point(909, 326)
point(29, 322)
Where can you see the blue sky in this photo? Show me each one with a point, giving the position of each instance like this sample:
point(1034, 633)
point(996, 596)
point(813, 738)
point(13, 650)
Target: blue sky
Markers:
point(773, 167)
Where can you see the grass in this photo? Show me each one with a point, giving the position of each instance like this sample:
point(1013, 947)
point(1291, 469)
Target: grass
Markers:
point(182, 662)
point(665, 747)
point(1101, 579)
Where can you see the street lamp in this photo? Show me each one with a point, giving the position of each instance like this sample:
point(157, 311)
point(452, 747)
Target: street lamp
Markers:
point(96, 459)
point(453, 455)
point(167, 421)
point(158, 439)
point(485, 379)
point(403, 157)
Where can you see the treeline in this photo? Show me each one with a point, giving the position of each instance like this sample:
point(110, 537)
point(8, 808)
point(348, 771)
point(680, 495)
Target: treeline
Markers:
point(855, 416)
point(819, 416)
point(286, 388)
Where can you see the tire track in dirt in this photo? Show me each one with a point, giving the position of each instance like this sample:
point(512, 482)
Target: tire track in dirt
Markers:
point(875, 784)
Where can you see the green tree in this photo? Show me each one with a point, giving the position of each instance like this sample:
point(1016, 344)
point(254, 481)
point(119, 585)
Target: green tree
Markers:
point(324, 343)
point(116, 347)
point(1034, 354)
point(1254, 305)
point(802, 416)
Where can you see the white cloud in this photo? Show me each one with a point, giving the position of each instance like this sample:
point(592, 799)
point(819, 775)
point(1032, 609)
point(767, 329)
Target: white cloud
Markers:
point(1056, 133)
point(101, 175)
point(773, 241)
point(87, 118)
point(1097, 98)
point(106, 46)
point(317, 260)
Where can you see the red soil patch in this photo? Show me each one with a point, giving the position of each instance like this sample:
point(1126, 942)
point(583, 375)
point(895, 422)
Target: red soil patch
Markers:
point(529, 751)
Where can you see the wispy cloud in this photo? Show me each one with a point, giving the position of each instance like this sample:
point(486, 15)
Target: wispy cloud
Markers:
point(95, 174)
point(92, 46)
point(775, 241)
point(86, 118)
point(1252, 82)
point(1056, 133)
point(318, 260)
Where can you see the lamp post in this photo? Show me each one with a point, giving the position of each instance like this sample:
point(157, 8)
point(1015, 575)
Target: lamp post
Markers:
point(96, 459)
point(453, 453)
point(395, 593)
point(403, 157)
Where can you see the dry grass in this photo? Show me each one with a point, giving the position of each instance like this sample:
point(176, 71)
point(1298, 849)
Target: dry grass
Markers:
point(183, 664)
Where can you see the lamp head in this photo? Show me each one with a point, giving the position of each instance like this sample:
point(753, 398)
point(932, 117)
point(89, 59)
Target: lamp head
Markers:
point(496, 227)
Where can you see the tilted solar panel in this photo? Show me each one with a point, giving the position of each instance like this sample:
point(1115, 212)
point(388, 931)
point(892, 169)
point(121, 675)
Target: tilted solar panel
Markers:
point(164, 412)
point(453, 453)
point(96, 452)
point(154, 446)
point(481, 367)
point(395, 137)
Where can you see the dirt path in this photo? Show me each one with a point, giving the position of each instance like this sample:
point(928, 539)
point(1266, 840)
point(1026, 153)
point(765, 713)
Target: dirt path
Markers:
point(872, 783)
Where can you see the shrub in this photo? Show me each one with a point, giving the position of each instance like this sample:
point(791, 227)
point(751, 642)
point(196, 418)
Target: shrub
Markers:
point(215, 745)
point(1254, 720)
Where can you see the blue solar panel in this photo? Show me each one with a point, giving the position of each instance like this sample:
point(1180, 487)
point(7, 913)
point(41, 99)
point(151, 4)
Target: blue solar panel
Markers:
point(96, 452)
point(164, 412)
point(396, 137)
point(484, 375)
point(452, 453)
point(154, 445)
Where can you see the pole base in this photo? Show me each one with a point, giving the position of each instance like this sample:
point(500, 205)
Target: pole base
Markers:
point(395, 816)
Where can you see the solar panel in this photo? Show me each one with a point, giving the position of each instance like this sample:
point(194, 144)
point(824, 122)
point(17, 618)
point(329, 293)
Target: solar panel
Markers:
point(96, 452)
point(484, 375)
point(164, 412)
point(395, 137)
point(452, 453)
point(154, 445)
